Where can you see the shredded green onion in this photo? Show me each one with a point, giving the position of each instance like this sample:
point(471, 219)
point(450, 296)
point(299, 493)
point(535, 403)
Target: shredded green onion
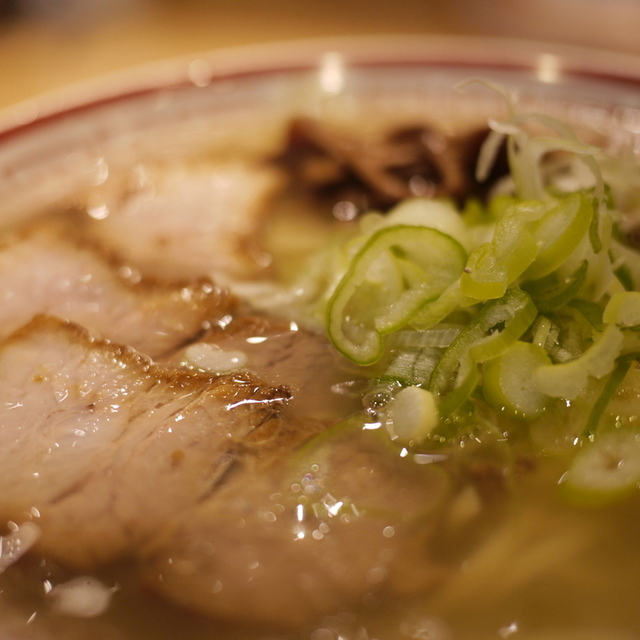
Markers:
point(550, 292)
point(610, 387)
point(569, 379)
point(521, 305)
point(514, 311)
point(507, 381)
point(606, 470)
point(397, 270)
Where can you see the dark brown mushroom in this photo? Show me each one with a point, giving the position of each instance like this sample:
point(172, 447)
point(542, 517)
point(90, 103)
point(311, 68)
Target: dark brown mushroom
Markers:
point(334, 167)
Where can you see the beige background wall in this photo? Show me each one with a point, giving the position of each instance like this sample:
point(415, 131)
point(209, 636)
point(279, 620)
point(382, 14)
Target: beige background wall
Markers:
point(50, 43)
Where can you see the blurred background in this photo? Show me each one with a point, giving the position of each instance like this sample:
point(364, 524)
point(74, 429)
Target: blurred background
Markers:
point(45, 44)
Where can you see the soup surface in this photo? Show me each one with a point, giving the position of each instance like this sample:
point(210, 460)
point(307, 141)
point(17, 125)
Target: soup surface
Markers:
point(312, 375)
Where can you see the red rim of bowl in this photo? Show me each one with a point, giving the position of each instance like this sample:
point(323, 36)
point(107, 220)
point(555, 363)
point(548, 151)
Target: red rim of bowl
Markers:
point(305, 55)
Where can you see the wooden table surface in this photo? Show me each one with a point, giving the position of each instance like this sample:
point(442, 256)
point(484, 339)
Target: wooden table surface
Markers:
point(60, 42)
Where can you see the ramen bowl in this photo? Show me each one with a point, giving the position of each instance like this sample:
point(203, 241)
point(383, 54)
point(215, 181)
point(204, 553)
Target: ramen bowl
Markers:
point(233, 136)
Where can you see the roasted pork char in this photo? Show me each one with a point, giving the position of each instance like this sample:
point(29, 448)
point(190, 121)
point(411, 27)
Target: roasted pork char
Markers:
point(280, 352)
point(44, 270)
point(105, 447)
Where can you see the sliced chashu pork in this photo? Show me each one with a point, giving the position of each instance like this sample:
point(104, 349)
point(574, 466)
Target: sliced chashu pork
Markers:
point(106, 448)
point(207, 480)
point(188, 221)
point(282, 543)
point(323, 384)
point(44, 270)
point(307, 527)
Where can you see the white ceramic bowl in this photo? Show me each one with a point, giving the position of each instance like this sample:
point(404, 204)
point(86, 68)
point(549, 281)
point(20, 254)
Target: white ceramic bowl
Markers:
point(58, 146)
